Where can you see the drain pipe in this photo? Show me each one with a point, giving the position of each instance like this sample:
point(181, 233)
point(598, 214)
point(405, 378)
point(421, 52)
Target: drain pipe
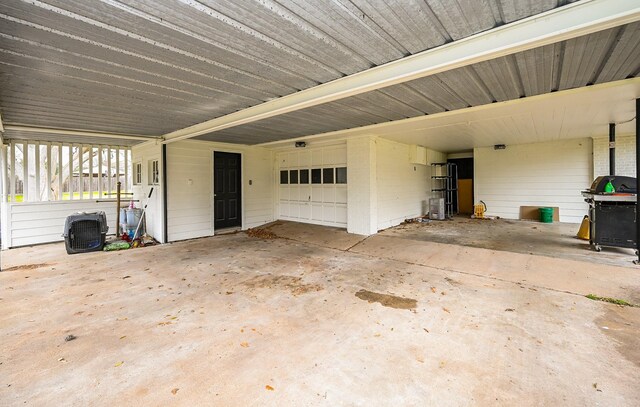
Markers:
point(612, 149)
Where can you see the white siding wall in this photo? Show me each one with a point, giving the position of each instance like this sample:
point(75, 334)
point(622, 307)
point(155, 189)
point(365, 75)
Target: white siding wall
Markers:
point(259, 198)
point(145, 153)
point(190, 187)
point(403, 188)
point(362, 202)
point(43, 222)
point(625, 156)
point(541, 174)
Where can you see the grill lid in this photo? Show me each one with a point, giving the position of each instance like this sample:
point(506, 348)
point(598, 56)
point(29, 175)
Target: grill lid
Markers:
point(623, 185)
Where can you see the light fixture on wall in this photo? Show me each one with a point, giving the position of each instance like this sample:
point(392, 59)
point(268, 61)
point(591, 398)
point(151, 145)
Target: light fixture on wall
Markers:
point(300, 144)
point(499, 147)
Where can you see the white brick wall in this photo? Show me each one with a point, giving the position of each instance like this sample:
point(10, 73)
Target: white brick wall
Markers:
point(541, 174)
point(625, 156)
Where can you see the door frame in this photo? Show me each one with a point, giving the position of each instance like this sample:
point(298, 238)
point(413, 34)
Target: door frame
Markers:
point(213, 180)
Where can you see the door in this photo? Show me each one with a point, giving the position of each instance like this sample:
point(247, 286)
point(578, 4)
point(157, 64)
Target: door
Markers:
point(463, 202)
point(226, 190)
point(313, 185)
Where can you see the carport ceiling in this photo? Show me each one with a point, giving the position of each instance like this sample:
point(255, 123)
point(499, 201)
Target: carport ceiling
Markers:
point(151, 67)
point(604, 56)
point(570, 114)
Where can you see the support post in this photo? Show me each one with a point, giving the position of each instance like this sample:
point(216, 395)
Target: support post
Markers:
point(165, 216)
point(118, 234)
point(637, 261)
point(612, 149)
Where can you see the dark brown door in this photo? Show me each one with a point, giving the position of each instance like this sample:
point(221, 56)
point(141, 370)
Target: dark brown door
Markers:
point(226, 187)
point(463, 200)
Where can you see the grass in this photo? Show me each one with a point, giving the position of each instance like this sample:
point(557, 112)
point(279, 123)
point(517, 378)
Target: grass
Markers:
point(66, 196)
point(616, 301)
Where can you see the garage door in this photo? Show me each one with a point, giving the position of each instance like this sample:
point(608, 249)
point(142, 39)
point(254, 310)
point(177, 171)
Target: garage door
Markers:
point(313, 185)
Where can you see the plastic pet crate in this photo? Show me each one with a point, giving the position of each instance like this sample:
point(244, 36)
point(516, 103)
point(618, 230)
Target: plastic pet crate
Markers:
point(85, 232)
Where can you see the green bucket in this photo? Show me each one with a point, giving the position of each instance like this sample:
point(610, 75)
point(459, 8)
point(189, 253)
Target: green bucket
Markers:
point(546, 215)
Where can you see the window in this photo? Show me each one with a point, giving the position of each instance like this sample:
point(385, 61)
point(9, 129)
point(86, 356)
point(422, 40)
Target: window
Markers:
point(341, 175)
point(327, 176)
point(316, 176)
point(293, 177)
point(154, 172)
point(284, 177)
point(304, 176)
point(137, 173)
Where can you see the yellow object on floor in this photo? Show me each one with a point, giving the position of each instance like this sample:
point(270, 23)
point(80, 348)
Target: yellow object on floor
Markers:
point(583, 232)
point(479, 210)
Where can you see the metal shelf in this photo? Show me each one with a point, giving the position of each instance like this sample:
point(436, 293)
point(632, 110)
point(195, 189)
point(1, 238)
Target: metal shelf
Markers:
point(447, 185)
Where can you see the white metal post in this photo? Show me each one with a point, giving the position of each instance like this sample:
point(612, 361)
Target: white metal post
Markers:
point(25, 172)
point(91, 172)
point(49, 170)
point(126, 170)
point(3, 171)
point(71, 163)
point(109, 169)
point(13, 172)
point(60, 166)
point(117, 165)
point(37, 168)
point(100, 172)
point(81, 170)
point(4, 205)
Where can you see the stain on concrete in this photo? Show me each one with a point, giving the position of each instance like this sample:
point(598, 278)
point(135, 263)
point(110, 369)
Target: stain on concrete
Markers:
point(27, 267)
point(261, 233)
point(291, 283)
point(387, 300)
point(617, 325)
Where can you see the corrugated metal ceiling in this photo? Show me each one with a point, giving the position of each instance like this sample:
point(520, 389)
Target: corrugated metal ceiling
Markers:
point(150, 67)
point(604, 56)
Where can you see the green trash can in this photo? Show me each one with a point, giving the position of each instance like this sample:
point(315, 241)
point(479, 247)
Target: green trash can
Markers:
point(546, 215)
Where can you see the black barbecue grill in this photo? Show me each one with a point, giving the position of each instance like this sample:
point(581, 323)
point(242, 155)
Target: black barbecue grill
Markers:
point(612, 215)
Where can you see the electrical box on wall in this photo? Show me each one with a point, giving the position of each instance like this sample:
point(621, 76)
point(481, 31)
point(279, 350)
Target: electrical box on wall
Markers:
point(417, 154)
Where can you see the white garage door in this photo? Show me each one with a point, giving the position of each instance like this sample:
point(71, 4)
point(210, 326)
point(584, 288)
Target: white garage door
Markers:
point(313, 185)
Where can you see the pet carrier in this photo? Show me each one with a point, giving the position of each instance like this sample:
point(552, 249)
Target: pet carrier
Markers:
point(85, 232)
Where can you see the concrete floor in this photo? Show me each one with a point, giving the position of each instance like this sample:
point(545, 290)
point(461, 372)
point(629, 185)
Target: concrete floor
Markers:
point(318, 317)
point(546, 239)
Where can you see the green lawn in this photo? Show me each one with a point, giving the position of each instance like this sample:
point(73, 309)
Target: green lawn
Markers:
point(66, 196)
